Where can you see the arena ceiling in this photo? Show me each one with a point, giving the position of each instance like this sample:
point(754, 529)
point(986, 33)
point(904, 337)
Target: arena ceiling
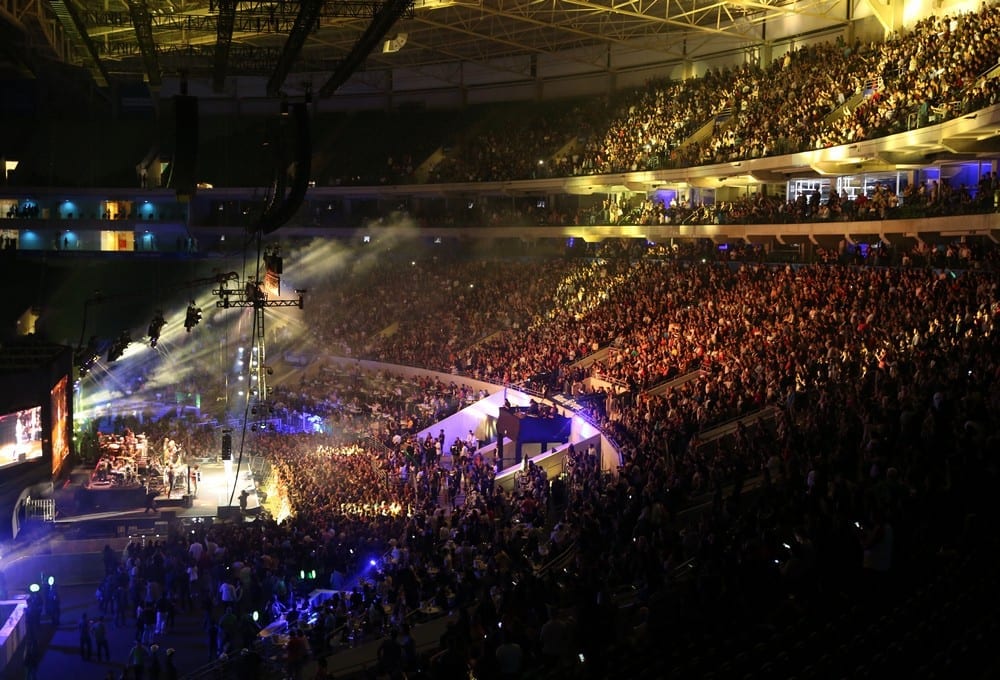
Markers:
point(215, 39)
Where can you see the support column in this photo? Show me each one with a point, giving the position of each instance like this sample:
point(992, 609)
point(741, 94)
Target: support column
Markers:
point(533, 70)
point(463, 91)
point(765, 53)
point(612, 73)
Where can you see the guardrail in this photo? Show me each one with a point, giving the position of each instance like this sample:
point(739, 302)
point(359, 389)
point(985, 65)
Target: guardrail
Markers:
point(729, 426)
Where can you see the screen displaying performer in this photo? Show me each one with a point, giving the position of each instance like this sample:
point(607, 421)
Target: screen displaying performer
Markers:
point(20, 437)
point(60, 423)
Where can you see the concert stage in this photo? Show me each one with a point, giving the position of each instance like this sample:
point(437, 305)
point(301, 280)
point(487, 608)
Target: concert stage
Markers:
point(214, 495)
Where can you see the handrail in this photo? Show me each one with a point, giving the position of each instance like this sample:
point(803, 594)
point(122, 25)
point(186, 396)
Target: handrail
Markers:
point(558, 560)
point(711, 434)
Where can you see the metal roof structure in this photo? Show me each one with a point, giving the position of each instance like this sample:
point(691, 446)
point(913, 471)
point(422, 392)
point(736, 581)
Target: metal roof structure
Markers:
point(155, 39)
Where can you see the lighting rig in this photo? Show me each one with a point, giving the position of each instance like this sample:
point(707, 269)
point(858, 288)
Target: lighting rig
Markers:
point(290, 183)
point(261, 413)
point(85, 357)
point(251, 294)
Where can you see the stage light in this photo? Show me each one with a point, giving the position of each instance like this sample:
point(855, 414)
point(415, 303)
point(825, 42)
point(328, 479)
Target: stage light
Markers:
point(34, 587)
point(372, 562)
point(52, 581)
point(155, 326)
point(193, 317)
point(119, 346)
point(256, 616)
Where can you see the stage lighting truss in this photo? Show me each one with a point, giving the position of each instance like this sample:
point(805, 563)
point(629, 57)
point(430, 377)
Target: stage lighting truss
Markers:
point(252, 294)
point(86, 357)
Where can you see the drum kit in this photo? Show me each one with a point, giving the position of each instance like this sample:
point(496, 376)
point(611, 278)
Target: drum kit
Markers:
point(125, 463)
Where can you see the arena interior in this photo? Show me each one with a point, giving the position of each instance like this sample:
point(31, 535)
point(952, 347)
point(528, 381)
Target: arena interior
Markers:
point(499, 340)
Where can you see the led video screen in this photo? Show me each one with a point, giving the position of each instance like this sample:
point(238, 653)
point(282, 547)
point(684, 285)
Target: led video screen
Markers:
point(20, 437)
point(60, 423)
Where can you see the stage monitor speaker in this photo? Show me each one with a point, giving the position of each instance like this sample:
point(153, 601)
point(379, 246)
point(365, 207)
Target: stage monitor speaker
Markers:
point(183, 175)
point(225, 512)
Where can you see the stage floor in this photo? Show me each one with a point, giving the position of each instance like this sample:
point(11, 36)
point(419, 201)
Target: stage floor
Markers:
point(75, 502)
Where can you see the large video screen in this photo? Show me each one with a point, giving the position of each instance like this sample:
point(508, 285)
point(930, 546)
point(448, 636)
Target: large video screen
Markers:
point(20, 437)
point(60, 423)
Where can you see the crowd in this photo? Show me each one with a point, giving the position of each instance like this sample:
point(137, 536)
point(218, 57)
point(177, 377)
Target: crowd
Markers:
point(881, 382)
point(932, 72)
point(517, 142)
point(930, 198)
point(812, 97)
point(353, 403)
point(461, 301)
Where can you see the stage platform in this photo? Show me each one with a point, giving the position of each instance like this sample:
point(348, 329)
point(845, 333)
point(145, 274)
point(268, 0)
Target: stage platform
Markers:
point(76, 501)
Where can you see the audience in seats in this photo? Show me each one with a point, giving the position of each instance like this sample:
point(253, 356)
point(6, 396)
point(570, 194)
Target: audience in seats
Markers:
point(879, 386)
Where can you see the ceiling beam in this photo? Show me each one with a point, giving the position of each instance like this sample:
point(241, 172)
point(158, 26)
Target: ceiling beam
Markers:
point(575, 27)
point(76, 32)
point(223, 42)
point(731, 32)
point(196, 60)
point(380, 26)
point(305, 22)
point(245, 20)
point(142, 24)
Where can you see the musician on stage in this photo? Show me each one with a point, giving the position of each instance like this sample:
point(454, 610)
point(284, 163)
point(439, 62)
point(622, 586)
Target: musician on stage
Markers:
point(169, 450)
point(129, 442)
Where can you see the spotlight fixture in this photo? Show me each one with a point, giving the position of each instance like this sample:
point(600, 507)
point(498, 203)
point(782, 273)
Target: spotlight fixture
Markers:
point(155, 326)
point(119, 346)
point(193, 317)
